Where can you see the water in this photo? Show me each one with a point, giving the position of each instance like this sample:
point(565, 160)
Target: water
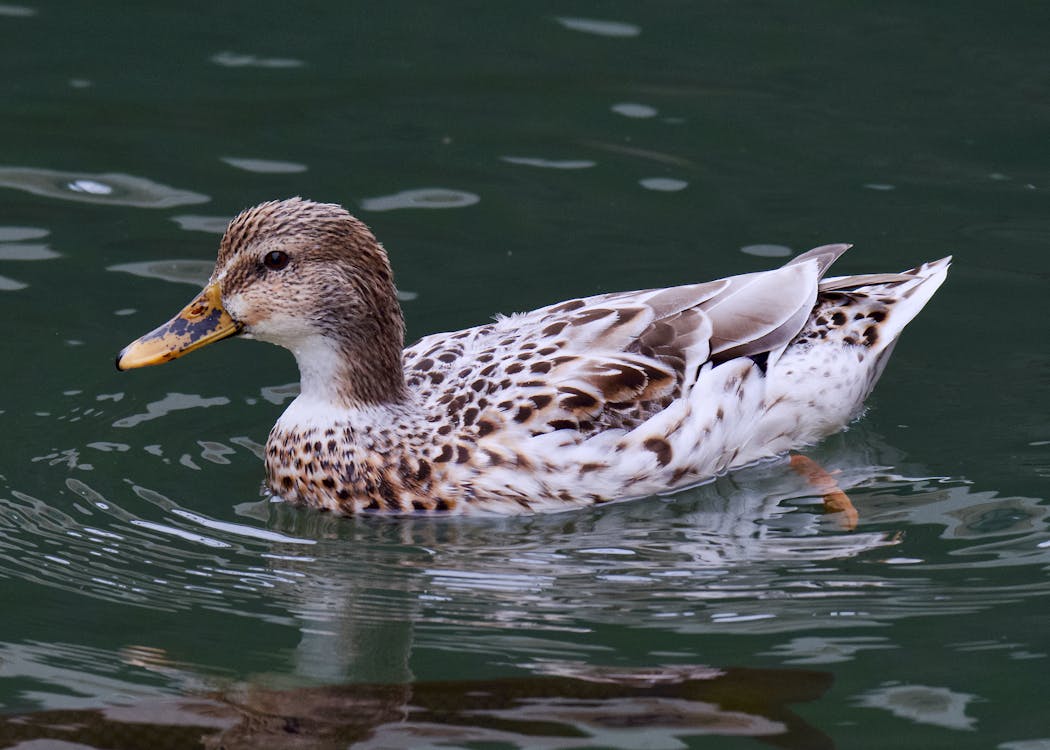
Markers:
point(510, 157)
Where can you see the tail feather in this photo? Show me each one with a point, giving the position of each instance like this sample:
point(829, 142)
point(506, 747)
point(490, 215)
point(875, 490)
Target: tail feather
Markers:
point(911, 294)
point(825, 255)
point(871, 310)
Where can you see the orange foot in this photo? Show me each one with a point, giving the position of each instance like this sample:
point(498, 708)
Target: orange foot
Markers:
point(835, 500)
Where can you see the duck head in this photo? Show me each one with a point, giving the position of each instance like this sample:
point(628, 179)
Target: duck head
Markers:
point(306, 276)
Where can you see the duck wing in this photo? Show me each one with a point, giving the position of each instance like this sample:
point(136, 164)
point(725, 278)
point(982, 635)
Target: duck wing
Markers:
point(609, 361)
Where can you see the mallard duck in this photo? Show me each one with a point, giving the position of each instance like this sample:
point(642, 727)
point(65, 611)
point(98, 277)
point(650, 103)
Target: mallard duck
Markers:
point(581, 402)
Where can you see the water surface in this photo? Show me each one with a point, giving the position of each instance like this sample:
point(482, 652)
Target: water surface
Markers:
point(510, 157)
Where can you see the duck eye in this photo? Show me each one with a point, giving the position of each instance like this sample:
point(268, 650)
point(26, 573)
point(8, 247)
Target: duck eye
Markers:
point(275, 260)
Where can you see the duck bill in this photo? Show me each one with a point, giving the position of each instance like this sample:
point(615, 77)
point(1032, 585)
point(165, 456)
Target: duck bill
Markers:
point(201, 322)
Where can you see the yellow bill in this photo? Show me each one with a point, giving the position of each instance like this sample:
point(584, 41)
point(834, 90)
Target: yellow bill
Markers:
point(201, 322)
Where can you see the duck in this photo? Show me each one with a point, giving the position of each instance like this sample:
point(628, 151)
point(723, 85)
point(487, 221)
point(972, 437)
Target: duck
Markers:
point(582, 402)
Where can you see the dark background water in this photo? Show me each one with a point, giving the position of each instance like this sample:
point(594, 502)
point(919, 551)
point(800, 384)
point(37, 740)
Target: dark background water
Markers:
point(562, 150)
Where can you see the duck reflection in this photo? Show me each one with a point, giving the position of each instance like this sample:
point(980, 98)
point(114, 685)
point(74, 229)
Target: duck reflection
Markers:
point(573, 707)
point(374, 591)
point(678, 563)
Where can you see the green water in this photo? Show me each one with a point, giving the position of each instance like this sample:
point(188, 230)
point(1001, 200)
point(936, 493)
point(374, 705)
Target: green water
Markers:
point(558, 157)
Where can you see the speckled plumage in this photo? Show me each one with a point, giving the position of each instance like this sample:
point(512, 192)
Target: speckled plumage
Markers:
point(581, 402)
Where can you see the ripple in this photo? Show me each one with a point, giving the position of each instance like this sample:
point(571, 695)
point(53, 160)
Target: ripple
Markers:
point(67, 676)
point(196, 272)
point(90, 186)
point(529, 161)
point(751, 553)
point(164, 560)
point(663, 184)
point(421, 198)
point(109, 447)
point(180, 533)
point(170, 403)
point(19, 234)
point(237, 60)
point(265, 166)
point(20, 251)
point(11, 285)
point(634, 110)
point(279, 394)
point(240, 530)
point(555, 704)
point(827, 650)
point(641, 153)
point(599, 26)
point(195, 223)
point(938, 706)
point(110, 188)
point(767, 251)
point(16, 11)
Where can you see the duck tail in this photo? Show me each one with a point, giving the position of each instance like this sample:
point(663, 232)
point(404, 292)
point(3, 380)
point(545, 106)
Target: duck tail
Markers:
point(904, 294)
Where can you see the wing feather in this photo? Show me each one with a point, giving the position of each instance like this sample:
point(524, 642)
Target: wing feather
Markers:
point(613, 360)
point(760, 307)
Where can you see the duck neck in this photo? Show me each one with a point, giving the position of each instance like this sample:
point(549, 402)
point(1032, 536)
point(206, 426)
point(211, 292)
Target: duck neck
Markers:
point(348, 374)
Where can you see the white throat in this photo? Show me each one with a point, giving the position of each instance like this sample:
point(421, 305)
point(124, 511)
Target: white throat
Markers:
point(321, 370)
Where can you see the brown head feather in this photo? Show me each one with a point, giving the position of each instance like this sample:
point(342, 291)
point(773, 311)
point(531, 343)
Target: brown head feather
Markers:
point(337, 284)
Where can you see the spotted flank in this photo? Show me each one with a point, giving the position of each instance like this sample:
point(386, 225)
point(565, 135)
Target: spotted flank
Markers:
point(582, 402)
